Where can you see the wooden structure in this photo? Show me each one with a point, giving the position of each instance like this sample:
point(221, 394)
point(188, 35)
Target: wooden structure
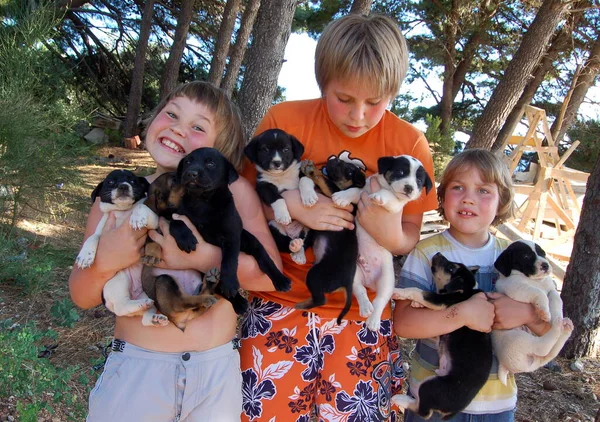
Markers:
point(552, 199)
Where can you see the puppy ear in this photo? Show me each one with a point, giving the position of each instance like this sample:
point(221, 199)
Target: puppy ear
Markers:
point(502, 264)
point(96, 191)
point(428, 183)
point(473, 268)
point(232, 174)
point(297, 147)
point(179, 171)
point(384, 164)
point(359, 179)
point(250, 150)
point(144, 184)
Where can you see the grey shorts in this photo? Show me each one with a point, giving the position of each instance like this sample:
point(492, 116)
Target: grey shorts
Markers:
point(141, 385)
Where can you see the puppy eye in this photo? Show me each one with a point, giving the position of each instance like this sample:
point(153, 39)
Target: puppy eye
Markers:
point(111, 183)
point(210, 164)
point(286, 149)
point(264, 148)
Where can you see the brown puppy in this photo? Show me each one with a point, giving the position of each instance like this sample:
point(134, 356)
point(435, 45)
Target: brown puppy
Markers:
point(164, 196)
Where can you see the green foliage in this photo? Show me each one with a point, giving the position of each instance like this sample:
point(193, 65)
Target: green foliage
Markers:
point(442, 146)
point(64, 313)
point(35, 383)
point(36, 147)
point(31, 270)
point(588, 133)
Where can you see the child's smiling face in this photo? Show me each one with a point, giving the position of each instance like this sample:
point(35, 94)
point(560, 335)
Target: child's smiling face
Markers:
point(470, 206)
point(179, 128)
point(354, 108)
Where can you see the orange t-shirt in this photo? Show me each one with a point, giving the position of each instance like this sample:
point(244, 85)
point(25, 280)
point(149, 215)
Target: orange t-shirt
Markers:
point(309, 121)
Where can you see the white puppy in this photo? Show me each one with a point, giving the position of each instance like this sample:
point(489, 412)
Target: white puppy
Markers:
point(525, 277)
point(402, 180)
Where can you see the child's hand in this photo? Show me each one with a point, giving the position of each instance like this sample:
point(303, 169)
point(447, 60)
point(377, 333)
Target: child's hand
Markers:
point(477, 313)
point(510, 313)
point(119, 247)
point(324, 215)
point(374, 218)
point(173, 257)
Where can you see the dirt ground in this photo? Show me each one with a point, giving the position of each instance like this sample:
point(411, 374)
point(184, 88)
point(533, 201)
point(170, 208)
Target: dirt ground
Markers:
point(550, 395)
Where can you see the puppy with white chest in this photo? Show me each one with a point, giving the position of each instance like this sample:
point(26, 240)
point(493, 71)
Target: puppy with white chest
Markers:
point(118, 193)
point(402, 179)
point(465, 354)
point(276, 156)
point(525, 277)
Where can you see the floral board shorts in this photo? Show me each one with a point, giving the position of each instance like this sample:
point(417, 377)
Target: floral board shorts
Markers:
point(297, 366)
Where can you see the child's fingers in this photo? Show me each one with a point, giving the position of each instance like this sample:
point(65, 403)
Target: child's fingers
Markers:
point(156, 236)
point(111, 222)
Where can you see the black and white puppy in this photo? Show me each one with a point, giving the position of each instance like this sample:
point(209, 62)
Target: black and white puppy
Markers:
point(276, 156)
point(205, 175)
point(336, 252)
point(119, 191)
point(525, 277)
point(402, 180)
point(465, 354)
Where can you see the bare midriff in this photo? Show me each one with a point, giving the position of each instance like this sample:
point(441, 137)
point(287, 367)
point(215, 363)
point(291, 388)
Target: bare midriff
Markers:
point(214, 328)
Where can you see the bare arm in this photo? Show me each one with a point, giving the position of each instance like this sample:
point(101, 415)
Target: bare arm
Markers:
point(207, 256)
point(511, 314)
point(383, 226)
point(118, 248)
point(476, 313)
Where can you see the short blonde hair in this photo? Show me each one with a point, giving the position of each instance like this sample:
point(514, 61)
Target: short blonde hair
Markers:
point(492, 170)
point(365, 48)
point(230, 139)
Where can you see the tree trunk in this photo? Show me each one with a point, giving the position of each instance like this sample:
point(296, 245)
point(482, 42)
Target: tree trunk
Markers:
point(588, 74)
point(170, 76)
point(450, 30)
point(239, 48)
point(130, 128)
point(362, 7)
point(581, 287)
point(264, 60)
point(561, 43)
point(217, 65)
point(518, 73)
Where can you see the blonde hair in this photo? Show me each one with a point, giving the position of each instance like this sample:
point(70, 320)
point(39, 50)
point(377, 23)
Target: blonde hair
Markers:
point(366, 48)
point(230, 139)
point(492, 170)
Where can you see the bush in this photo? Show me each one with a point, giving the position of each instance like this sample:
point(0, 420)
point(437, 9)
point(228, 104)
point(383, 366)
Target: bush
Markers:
point(35, 383)
point(442, 146)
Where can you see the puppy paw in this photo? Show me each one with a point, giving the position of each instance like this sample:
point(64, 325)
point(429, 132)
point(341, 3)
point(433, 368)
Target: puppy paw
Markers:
point(341, 199)
point(400, 294)
point(85, 258)
point(299, 257)
point(543, 314)
point(567, 325)
point(159, 320)
point(150, 260)
point(282, 215)
point(309, 198)
point(378, 198)
point(365, 308)
point(416, 304)
point(138, 219)
point(212, 276)
point(402, 401)
point(373, 323)
point(281, 283)
point(296, 245)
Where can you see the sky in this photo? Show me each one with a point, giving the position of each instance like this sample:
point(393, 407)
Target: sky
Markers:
point(298, 77)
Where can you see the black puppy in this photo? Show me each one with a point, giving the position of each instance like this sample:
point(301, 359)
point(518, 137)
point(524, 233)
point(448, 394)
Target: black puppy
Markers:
point(276, 156)
point(335, 252)
point(465, 354)
point(205, 175)
point(119, 191)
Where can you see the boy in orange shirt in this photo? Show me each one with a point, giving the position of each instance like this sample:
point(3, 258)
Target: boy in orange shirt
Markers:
point(301, 364)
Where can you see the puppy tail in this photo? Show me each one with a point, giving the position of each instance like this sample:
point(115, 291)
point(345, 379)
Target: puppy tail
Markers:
point(346, 305)
point(502, 373)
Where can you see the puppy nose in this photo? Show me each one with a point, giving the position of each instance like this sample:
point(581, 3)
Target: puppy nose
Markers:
point(545, 266)
point(191, 174)
point(123, 187)
point(408, 189)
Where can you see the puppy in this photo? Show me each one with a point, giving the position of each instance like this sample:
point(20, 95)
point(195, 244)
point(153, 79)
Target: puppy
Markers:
point(205, 175)
point(119, 191)
point(178, 296)
point(525, 277)
point(276, 156)
point(335, 252)
point(402, 180)
point(465, 354)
